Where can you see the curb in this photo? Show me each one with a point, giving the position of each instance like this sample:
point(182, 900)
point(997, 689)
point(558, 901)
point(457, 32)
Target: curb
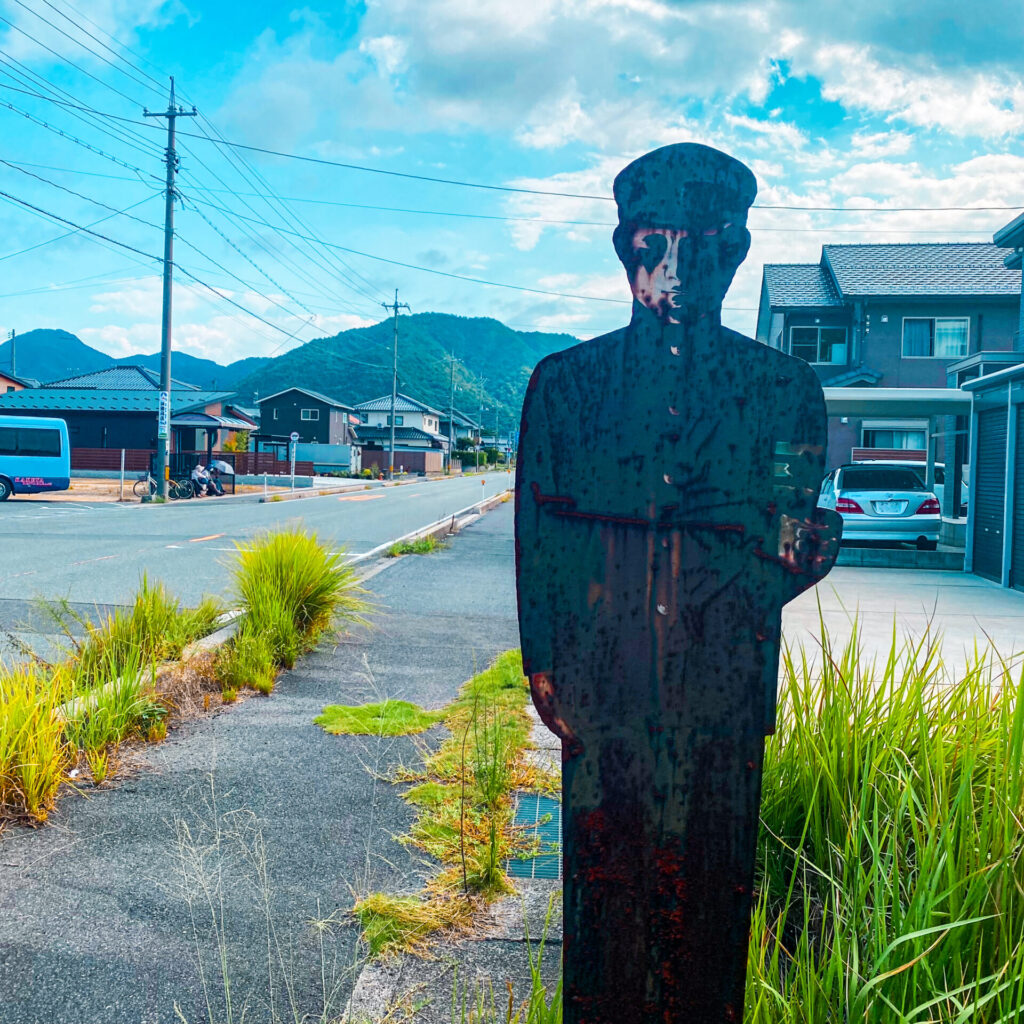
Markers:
point(307, 492)
point(442, 527)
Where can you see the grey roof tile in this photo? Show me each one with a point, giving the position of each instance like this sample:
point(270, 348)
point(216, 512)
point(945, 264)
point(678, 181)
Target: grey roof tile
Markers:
point(800, 284)
point(129, 377)
point(58, 400)
point(921, 268)
point(316, 395)
point(403, 403)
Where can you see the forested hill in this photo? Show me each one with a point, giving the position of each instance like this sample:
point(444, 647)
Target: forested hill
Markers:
point(493, 363)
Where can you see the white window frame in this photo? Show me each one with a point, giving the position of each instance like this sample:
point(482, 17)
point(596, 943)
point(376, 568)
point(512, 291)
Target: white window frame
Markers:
point(934, 319)
point(819, 328)
point(309, 415)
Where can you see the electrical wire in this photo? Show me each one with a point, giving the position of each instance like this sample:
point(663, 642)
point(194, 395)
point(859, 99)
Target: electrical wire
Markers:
point(68, 234)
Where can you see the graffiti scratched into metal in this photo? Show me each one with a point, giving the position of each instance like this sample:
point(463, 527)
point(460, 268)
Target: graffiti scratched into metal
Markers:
point(667, 482)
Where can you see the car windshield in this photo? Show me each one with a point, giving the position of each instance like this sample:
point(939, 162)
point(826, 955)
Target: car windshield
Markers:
point(881, 478)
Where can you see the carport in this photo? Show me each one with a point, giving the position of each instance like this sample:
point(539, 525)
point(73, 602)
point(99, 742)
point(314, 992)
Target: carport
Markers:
point(933, 404)
point(995, 538)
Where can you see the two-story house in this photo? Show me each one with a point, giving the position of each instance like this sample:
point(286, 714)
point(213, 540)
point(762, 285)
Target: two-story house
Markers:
point(925, 315)
point(419, 444)
point(316, 418)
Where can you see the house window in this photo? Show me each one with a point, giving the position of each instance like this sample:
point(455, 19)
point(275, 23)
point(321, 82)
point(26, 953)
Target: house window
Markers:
point(399, 420)
point(818, 344)
point(935, 337)
point(275, 414)
point(364, 417)
point(904, 436)
point(309, 414)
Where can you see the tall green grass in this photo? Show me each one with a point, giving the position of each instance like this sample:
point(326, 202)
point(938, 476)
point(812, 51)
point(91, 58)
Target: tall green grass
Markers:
point(34, 753)
point(154, 628)
point(292, 589)
point(891, 856)
point(99, 694)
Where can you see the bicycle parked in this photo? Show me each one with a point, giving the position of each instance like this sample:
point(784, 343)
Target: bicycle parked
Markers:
point(177, 489)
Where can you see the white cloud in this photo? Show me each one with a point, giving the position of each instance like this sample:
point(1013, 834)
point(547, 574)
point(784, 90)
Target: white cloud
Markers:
point(959, 102)
point(868, 145)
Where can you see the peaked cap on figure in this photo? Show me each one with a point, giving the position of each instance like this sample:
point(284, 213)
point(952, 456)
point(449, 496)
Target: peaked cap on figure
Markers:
point(669, 186)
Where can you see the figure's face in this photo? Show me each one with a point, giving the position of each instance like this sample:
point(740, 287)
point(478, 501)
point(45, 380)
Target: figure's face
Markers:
point(682, 274)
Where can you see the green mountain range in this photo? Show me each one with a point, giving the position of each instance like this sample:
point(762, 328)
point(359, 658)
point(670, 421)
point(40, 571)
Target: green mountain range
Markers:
point(46, 355)
point(493, 364)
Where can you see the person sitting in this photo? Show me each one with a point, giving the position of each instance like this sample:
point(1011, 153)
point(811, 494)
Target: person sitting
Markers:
point(213, 482)
point(200, 480)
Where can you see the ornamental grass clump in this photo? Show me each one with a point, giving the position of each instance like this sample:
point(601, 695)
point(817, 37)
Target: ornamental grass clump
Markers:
point(292, 589)
point(891, 853)
point(34, 753)
point(154, 628)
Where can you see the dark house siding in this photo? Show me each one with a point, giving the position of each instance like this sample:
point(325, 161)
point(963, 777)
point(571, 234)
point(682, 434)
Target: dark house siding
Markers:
point(102, 429)
point(282, 415)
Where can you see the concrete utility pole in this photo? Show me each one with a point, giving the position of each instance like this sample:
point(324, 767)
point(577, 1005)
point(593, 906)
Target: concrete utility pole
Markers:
point(13, 336)
point(394, 307)
point(172, 113)
point(451, 417)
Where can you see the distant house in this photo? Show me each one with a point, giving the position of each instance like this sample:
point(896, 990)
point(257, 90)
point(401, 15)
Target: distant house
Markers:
point(8, 382)
point(928, 315)
point(465, 426)
point(129, 377)
point(419, 445)
point(316, 418)
point(107, 418)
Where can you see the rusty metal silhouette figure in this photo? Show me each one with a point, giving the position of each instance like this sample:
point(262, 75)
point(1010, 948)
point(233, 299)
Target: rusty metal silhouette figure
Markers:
point(666, 488)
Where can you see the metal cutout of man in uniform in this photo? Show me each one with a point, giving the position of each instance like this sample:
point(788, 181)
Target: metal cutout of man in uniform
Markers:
point(667, 484)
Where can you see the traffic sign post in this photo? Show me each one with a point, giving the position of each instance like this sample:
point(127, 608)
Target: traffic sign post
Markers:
point(294, 445)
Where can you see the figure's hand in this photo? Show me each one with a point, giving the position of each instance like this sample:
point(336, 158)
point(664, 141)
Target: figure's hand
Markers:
point(809, 547)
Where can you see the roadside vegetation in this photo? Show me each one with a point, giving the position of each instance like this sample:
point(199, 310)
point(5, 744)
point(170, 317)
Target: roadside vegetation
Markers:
point(462, 793)
point(891, 857)
point(118, 681)
point(420, 546)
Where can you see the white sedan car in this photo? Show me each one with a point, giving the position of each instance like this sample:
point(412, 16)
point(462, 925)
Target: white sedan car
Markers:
point(883, 503)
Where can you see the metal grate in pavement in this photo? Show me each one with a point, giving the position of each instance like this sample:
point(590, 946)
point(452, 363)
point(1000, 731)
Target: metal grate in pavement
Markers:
point(544, 814)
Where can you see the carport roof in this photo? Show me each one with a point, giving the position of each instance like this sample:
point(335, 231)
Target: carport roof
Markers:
point(897, 402)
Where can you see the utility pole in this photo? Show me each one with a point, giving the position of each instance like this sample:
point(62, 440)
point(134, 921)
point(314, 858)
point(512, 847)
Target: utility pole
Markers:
point(172, 113)
point(14, 362)
point(394, 307)
point(451, 417)
point(479, 435)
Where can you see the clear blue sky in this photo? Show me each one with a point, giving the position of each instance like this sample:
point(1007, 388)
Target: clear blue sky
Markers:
point(832, 104)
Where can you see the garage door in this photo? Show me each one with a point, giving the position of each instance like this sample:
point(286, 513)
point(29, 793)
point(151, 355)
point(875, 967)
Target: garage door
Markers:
point(1017, 563)
point(990, 494)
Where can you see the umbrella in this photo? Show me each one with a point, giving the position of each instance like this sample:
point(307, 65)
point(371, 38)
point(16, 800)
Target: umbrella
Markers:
point(223, 466)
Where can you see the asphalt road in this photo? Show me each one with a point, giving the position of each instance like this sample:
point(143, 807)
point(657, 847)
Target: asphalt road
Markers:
point(94, 923)
point(95, 554)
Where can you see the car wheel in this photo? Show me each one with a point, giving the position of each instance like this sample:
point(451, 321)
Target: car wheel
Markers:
point(926, 545)
point(5, 489)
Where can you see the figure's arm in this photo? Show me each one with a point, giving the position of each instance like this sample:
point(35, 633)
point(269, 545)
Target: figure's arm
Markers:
point(804, 538)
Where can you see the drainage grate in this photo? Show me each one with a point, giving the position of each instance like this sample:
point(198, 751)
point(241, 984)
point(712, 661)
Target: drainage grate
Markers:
point(532, 810)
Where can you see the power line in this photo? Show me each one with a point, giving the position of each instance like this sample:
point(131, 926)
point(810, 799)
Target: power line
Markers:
point(73, 138)
point(149, 256)
point(61, 56)
point(88, 199)
point(68, 234)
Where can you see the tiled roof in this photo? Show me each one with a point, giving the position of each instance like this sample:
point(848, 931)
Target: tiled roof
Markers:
point(799, 284)
point(368, 433)
point(928, 268)
point(315, 395)
point(403, 403)
point(120, 378)
point(57, 400)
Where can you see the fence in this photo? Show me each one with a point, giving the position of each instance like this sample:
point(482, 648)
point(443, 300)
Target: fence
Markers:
point(137, 460)
point(889, 455)
point(423, 461)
